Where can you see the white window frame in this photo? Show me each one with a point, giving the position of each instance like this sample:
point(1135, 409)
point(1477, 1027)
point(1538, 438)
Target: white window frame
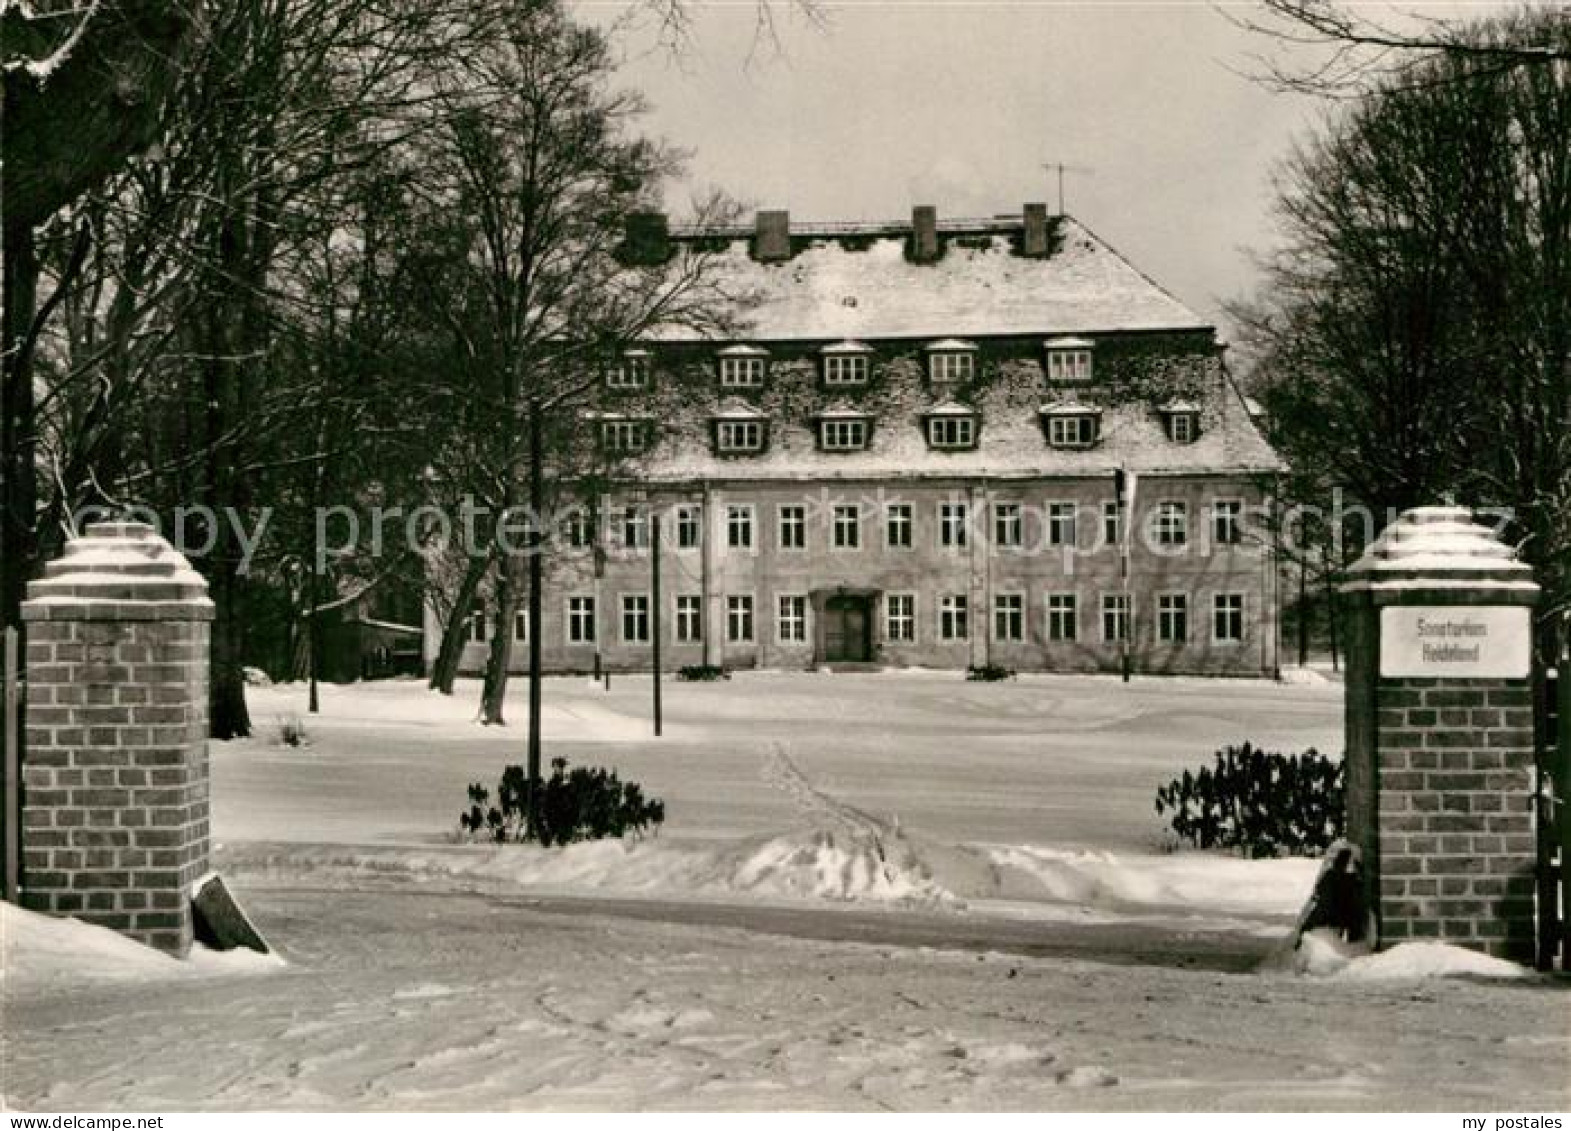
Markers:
point(581, 614)
point(843, 433)
point(1218, 612)
point(743, 371)
point(954, 617)
point(1112, 522)
point(635, 528)
point(634, 606)
point(791, 517)
point(689, 526)
point(1121, 606)
point(951, 432)
point(689, 616)
point(845, 526)
point(1063, 526)
point(900, 624)
point(1016, 612)
point(1073, 430)
point(739, 436)
point(740, 608)
point(1008, 524)
point(1170, 523)
point(624, 437)
point(1228, 531)
point(845, 370)
point(791, 625)
point(951, 367)
point(631, 372)
point(954, 520)
point(1069, 366)
point(1190, 430)
point(1169, 605)
point(740, 525)
point(902, 516)
point(1062, 605)
point(580, 530)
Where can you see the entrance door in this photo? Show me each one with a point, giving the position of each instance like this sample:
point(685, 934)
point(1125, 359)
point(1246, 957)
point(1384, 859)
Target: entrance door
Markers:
point(847, 638)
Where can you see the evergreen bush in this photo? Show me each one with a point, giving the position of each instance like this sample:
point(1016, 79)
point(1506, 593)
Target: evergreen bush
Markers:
point(1260, 802)
point(586, 803)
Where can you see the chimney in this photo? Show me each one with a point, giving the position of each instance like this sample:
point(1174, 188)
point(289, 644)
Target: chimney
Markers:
point(1035, 243)
point(772, 237)
point(924, 233)
point(648, 241)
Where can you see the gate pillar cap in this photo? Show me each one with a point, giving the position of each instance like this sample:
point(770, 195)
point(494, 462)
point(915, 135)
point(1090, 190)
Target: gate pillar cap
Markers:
point(1441, 548)
point(117, 571)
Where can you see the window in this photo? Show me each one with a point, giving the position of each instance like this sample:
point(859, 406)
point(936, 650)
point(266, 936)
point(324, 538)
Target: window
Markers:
point(952, 618)
point(1227, 522)
point(1171, 524)
point(952, 525)
point(1115, 617)
point(521, 626)
point(951, 431)
point(733, 436)
point(739, 618)
point(900, 617)
point(791, 620)
point(847, 527)
point(635, 528)
point(1069, 365)
point(898, 521)
point(1172, 618)
point(1227, 617)
point(792, 527)
point(580, 531)
point(477, 626)
point(1183, 427)
point(841, 369)
point(1009, 616)
point(687, 528)
point(631, 373)
point(1072, 430)
point(624, 437)
point(1112, 524)
point(951, 366)
point(739, 526)
point(689, 619)
point(744, 372)
point(1061, 524)
point(581, 620)
point(842, 435)
point(1063, 621)
point(1006, 524)
point(635, 618)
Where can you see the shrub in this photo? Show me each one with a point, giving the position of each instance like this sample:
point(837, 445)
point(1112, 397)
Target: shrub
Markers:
point(702, 673)
point(989, 673)
point(1258, 801)
point(292, 732)
point(587, 803)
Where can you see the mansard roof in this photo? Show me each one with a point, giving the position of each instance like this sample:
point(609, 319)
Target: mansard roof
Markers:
point(859, 282)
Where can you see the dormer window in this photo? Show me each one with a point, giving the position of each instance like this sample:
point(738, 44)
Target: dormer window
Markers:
point(951, 361)
point(624, 437)
point(1069, 361)
point(1072, 425)
point(740, 430)
point(631, 373)
point(742, 367)
point(843, 431)
point(846, 364)
point(1181, 420)
point(951, 427)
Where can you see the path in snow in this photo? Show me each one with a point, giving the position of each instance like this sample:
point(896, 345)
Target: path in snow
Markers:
point(413, 1001)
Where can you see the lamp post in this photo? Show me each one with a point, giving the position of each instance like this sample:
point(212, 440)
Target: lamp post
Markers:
point(654, 614)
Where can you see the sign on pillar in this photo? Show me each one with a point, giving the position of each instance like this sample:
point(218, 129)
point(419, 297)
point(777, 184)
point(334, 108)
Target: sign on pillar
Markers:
point(1440, 740)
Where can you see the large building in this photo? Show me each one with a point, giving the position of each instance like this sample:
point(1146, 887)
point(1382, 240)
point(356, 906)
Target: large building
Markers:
point(909, 454)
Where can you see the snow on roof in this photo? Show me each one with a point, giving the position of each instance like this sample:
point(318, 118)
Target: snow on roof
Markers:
point(847, 347)
point(950, 345)
point(951, 408)
point(842, 411)
point(1171, 407)
point(1439, 542)
point(1069, 408)
point(867, 289)
point(1069, 344)
point(743, 351)
point(734, 408)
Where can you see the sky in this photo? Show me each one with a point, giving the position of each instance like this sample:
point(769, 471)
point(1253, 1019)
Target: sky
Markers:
point(1170, 145)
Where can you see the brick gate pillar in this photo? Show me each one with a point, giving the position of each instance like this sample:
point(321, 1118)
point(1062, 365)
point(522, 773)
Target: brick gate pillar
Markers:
point(115, 802)
point(1440, 734)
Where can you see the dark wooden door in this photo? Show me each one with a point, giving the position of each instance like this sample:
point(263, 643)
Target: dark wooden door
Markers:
point(846, 637)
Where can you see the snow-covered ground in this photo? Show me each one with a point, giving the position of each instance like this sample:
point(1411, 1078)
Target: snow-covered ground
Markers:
point(872, 890)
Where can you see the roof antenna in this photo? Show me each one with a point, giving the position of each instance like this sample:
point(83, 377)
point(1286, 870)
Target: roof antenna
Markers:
point(1061, 169)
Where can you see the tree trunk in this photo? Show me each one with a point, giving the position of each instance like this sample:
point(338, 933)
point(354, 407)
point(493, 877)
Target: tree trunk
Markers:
point(18, 471)
point(229, 716)
point(1303, 613)
point(444, 672)
point(493, 698)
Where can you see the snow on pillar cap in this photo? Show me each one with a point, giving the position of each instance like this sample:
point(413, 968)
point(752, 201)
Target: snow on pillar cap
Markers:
point(119, 571)
point(1440, 548)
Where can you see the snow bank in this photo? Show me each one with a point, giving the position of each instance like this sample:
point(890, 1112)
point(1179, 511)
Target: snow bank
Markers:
point(1323, 954)
point(40, 952)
